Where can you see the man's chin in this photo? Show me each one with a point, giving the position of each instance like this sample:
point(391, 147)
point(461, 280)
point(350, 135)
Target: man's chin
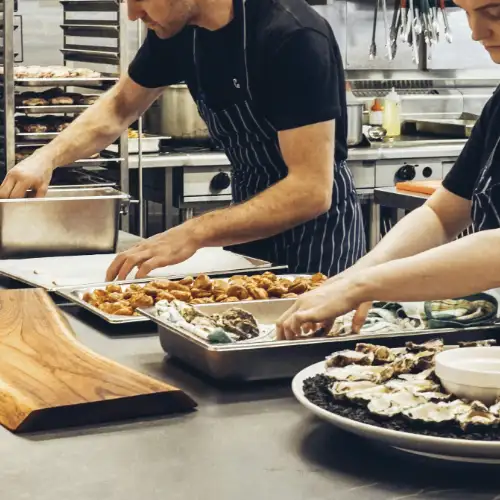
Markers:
point(494, 54)
point(164, 33)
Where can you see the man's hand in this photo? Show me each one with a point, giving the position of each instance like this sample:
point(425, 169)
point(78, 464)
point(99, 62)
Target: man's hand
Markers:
point(165, 249)
point(321, 307)
point(31, 174)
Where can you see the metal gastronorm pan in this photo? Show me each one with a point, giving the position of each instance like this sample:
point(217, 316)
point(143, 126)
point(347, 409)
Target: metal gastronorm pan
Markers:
point(251, 361)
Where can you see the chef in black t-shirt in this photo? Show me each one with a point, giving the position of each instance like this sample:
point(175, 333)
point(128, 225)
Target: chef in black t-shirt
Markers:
point(268, 80)
point(420, 259)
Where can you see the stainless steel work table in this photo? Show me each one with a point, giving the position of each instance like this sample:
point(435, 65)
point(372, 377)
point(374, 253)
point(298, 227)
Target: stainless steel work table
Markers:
point(243, 443)
point(390, 149)
point(399, 201)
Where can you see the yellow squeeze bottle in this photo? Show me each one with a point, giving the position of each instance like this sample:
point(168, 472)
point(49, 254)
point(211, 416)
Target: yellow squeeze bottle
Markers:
point(392, 114)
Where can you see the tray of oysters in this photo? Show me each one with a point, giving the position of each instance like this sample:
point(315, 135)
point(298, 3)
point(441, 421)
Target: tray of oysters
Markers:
point(393, 395)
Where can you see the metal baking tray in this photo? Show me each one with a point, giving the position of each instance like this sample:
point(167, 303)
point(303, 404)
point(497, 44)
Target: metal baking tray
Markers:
point(89, 5)
point(49, 110)
point(37, 136)
point(91, 29)
point(100, 82)
point(451, 128)
point(149, 144)
point(65, 222)
point(252, 361)
point(91, 54)
point(75, 295)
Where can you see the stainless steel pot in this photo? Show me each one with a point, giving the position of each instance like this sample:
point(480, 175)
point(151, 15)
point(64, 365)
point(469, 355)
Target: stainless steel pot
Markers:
point(354, 123)
point(175, 115)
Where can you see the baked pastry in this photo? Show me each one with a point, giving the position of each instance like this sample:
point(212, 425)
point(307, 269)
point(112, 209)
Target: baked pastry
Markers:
point(87, 100)
point(63, 100)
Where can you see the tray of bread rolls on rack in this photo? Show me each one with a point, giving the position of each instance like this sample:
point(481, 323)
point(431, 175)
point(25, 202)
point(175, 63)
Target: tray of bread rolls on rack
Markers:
point(60, 76)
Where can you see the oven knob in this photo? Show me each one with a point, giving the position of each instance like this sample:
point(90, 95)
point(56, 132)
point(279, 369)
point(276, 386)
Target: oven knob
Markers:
point(220, 182)
point(406, 173)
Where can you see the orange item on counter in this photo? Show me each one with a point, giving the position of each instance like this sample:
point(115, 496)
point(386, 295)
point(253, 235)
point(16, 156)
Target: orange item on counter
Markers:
point(422, 187)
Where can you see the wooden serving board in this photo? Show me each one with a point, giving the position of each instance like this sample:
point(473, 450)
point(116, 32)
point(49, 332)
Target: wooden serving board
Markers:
point(48, 379)
point(421, 187)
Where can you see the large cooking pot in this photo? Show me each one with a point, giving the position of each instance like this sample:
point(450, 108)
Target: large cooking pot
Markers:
point(354, 123)
point(175, 115)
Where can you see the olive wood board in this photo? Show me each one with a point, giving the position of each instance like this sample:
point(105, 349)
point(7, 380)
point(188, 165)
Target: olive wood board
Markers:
point(50, 380)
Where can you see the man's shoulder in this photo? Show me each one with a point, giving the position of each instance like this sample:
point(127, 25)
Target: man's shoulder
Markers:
point(275, 21)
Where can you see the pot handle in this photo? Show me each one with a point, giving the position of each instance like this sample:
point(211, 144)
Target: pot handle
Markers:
point(125, 205)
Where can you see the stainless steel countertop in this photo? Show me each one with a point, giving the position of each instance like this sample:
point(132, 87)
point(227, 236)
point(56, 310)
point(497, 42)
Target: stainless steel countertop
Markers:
point(405, 147)
point(250, 442)
point(395, 198)
point(246, 442)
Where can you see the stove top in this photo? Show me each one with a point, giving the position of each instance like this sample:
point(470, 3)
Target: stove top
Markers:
point(188, 146)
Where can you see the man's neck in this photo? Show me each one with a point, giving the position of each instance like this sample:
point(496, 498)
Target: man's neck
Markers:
point(214, 14)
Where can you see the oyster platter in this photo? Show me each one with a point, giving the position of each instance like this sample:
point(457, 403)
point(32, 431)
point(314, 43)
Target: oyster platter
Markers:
point(393, 395)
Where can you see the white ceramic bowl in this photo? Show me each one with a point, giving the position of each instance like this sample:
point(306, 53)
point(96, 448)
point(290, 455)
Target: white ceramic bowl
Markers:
point(471, 373)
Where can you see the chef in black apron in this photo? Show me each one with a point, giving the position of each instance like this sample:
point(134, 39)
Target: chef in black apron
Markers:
point(421, 259)
point(238, 118)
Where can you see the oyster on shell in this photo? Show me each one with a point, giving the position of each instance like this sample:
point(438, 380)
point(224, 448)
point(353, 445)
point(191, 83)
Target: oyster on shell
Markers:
point(347, 357)
point(413, 385)
point(366, 395)
point(353, 373)
point(340, 389)
point(413, 362)
point(393, 403)
point(477, 414)
point(424, 375)
point(237, 321)
point(478, 343)
point(436, 412)
point(382, 354)
point(495, 409)
point(435, 345)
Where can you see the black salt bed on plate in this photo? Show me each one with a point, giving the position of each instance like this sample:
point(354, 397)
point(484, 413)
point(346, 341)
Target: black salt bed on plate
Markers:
point(316, 390)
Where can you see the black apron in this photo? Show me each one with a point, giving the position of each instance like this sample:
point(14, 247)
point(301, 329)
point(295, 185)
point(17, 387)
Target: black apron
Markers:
point(330, 243)
point(485, 212)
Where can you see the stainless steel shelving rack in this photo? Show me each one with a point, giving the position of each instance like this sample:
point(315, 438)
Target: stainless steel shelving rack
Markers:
point(94, 35)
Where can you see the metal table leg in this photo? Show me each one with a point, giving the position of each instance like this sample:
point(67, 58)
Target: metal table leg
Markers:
point(374, 225)
point(171, 212)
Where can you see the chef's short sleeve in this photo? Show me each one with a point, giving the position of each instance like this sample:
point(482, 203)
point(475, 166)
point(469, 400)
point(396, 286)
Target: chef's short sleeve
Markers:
point(158, 62)
point(304, 81)
point(464, 173)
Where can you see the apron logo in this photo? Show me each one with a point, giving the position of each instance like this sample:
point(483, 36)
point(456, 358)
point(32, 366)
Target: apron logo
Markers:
point(236, 83)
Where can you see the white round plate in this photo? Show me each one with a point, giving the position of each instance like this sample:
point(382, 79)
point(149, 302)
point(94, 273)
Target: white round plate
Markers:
point(444, 448)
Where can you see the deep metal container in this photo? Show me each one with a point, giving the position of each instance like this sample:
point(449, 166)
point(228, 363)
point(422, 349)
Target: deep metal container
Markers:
point(251, 361)
point(68, 221)
point(176, 115)
point(354, 123)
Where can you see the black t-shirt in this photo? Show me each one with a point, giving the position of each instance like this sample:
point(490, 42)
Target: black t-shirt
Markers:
point(462, 178)
point(295, 69)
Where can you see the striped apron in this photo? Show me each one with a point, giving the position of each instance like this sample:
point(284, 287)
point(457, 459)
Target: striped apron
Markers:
point(330, 243)
point(485, 214)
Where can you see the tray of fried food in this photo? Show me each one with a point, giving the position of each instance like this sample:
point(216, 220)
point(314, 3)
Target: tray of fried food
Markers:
point(118, 302)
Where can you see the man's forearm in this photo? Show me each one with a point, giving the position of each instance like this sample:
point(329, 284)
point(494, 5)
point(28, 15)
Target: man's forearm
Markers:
point(460, 268)
point(417, 232)
point(278, 208)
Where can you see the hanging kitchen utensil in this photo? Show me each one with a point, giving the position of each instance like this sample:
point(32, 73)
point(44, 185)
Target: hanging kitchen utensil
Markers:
point(373, 45)
point(402, 33)
point(414, 34)
point(447, 31)
point(396, 20)
point(386, 30)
